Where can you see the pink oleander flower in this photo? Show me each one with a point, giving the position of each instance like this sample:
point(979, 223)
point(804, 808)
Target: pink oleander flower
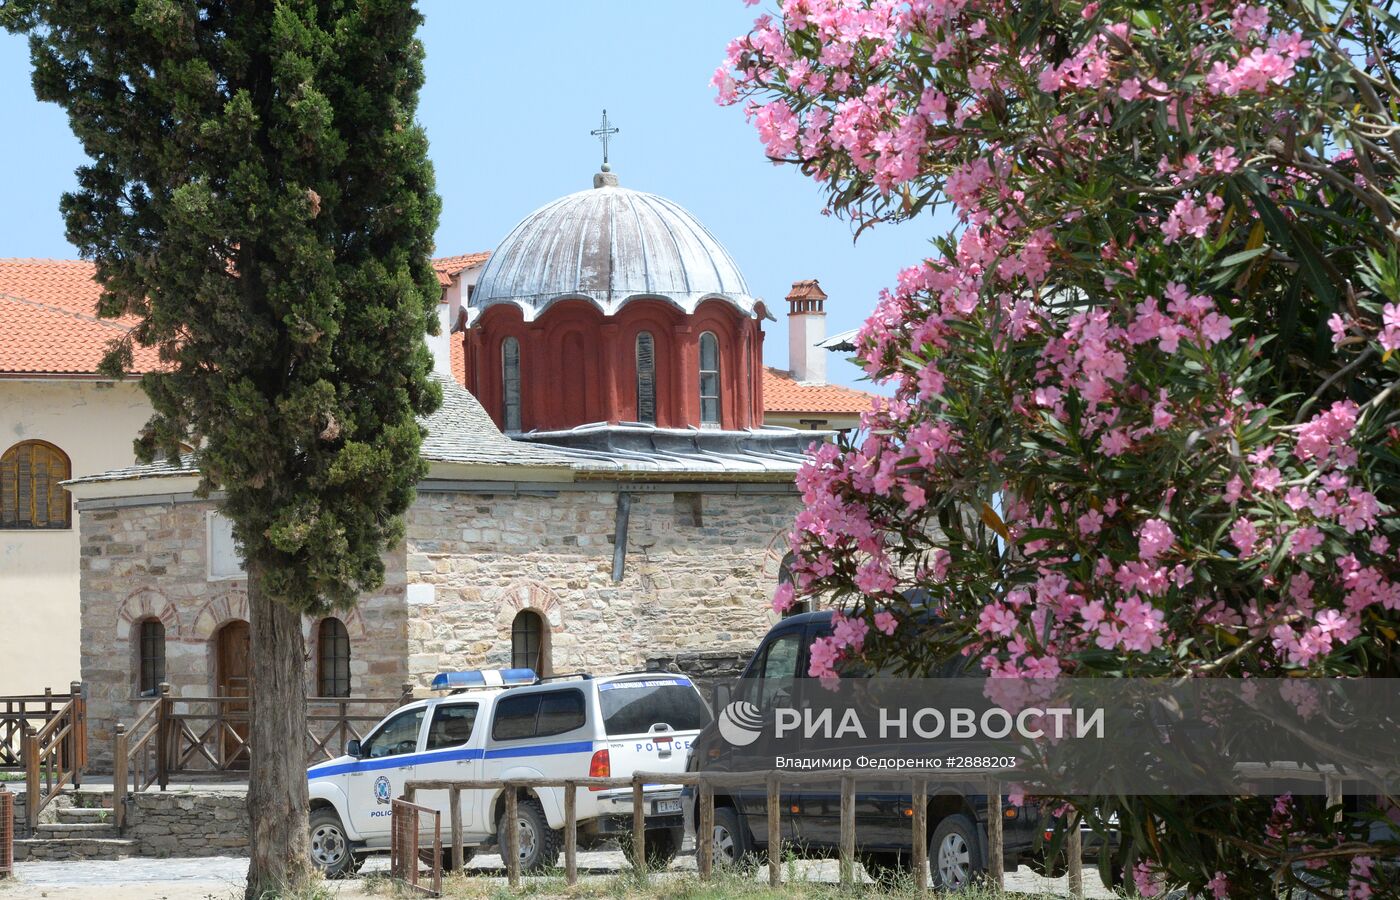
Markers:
point(1154, 539)
point(1244, 534)
point(885, 622)
point(784, 597)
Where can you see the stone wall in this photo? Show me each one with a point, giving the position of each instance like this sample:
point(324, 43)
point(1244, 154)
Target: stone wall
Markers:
point(699, 576)
point(151, 560)
point(188, 824)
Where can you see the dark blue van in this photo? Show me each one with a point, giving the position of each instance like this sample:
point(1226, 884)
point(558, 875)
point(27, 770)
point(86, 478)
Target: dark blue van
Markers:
point(956, 816)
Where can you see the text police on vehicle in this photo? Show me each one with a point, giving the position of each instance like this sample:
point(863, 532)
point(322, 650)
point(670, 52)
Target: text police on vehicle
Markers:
point(497, 725)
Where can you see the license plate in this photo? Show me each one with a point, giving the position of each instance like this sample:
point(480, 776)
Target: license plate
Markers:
point(667, 806)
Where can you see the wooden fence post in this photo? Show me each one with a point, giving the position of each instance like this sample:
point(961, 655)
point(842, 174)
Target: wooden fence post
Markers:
point(920, 817)
point(775, 833)
point(31, 778)
point(164, 739)
point(77, 738)
point(454, 797)
point(705, 832)
point(1074, 851)
point(848, 831)
point(1334, 793)
point(639, 829)
point(512, 847)
point(570, 833)
point(119, 755)
point(996, 867)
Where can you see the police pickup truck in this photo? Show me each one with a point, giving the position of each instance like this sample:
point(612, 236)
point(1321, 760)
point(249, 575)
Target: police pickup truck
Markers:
point(503, 724)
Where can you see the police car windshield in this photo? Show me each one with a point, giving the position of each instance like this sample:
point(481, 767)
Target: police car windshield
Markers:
point(632, 707)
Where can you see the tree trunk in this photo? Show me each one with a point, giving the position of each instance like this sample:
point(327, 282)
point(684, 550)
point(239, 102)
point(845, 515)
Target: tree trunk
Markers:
point(280, 862)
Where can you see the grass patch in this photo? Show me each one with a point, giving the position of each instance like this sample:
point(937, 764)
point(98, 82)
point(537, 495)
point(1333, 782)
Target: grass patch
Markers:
point(682, 886)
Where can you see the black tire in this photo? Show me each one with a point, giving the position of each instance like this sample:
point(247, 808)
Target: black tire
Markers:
point(1053, 868)
point(733, 845)
point(888, 867)
point(330, 847)
point(539, 844)
point(955, 854)
point(662, 846)
point(427, 857)
point(1117, 873)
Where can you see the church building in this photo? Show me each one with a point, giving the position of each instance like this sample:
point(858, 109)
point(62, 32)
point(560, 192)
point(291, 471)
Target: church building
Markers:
point(603, 492)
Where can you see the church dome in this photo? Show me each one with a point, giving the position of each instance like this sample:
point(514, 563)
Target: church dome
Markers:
point(609, 245)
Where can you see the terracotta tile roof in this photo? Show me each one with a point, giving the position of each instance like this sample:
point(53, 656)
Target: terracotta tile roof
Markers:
point(806, 290)
point(49, 323)
point(782, 394)
point(459, 359)
point(449, 266)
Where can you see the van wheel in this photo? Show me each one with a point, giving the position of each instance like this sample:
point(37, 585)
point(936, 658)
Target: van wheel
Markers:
point(955, 855)
point(539, 844)
point(733, 847)
point(330, 848)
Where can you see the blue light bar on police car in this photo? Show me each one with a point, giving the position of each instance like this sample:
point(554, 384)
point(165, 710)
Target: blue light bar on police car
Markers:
point(483, 678)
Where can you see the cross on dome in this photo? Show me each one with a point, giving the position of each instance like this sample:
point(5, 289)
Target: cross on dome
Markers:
point(603, 133)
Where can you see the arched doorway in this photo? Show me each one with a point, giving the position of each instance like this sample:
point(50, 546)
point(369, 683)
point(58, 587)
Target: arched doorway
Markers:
point(233, 674)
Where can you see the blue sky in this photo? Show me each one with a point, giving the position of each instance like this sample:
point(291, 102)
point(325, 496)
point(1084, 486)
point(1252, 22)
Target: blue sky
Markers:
point(508, 104)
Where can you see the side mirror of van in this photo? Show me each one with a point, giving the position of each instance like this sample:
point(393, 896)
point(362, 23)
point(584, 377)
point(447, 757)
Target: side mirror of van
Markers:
point(723, 694)
point(352, 748)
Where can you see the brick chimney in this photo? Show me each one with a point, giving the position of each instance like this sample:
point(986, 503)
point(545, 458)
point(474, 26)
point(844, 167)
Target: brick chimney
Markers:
point(806, 329)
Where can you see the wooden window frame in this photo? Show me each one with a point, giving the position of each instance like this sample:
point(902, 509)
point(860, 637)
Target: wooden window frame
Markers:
point(20, 494)
point(646, 378)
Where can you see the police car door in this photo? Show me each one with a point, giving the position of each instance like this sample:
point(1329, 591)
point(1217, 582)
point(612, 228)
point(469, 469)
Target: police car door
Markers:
point(452, 752)
point(386, 762)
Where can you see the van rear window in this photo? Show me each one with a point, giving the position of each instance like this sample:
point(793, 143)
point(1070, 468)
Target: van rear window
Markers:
point(632, 707)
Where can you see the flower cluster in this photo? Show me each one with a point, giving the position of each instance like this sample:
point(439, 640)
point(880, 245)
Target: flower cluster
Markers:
point(1138, 418)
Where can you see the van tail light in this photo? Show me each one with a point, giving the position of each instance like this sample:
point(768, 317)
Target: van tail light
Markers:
point(599, 767)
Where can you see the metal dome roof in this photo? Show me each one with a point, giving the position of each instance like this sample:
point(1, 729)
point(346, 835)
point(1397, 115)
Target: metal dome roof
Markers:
point(609, 245)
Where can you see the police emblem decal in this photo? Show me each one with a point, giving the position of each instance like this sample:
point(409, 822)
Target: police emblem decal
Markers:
point(381, 789)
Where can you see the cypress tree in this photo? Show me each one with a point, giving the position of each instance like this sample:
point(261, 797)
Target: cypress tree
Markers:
point(260, 200)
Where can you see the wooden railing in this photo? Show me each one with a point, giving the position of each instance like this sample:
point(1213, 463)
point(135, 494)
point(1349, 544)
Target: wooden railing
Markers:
point(55, 756)
point(21, 714)
point(207, 737)
point(707, 782)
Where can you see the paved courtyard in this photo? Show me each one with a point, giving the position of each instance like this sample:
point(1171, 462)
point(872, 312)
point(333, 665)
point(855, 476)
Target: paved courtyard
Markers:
point(222, 877)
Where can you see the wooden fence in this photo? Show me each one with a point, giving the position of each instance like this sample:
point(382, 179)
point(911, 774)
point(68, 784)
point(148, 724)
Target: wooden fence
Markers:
point(24, 713)
point(706, 783)
point(55, 755)
point(207, 737)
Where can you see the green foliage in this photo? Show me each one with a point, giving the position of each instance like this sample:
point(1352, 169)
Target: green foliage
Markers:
point(260, 201)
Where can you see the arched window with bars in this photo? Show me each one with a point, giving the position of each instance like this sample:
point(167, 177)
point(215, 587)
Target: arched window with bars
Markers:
point(150, 653)
point(527, 639)
point(332, 659)
point(31, 491)
point(510, 384)
point(646, 378)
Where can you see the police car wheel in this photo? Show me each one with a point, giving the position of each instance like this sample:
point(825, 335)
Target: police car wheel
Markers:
point(330, 848)
point(538, 843)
